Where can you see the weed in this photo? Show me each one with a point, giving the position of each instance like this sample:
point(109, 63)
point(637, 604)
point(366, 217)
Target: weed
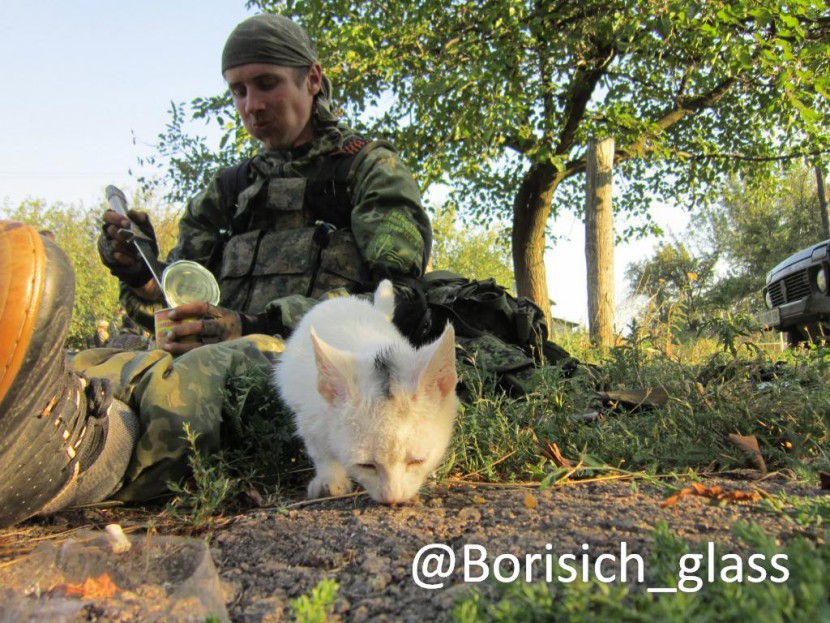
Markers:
point(734, 332)
point(317, 606)
point(205, 494)
point(261, 455)
point(808, 513)
point(762, 582)
point(739, 390)
point(259, 432)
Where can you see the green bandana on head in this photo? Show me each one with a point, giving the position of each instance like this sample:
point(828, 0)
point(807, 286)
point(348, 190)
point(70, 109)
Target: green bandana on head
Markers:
point(276, 40)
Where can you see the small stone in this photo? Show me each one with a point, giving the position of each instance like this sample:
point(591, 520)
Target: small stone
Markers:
point(470, 514)
point(379, 582)
point(373, 565)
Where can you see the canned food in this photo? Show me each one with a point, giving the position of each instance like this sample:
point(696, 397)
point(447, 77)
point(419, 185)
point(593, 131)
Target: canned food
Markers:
point(183, 282)
point(188, 282)
point(164, 325)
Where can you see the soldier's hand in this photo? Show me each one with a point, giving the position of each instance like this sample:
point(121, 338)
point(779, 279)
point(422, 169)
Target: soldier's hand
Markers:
point(206, 323)
point(120, 256)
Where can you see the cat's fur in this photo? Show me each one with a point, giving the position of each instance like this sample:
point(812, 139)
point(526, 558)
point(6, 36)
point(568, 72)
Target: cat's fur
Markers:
point(368, 405)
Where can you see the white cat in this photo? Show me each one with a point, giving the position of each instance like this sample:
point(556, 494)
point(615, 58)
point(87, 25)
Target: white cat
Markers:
point(367, 404)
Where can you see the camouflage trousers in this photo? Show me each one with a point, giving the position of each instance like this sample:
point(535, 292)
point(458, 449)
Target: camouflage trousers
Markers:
point(166, 393)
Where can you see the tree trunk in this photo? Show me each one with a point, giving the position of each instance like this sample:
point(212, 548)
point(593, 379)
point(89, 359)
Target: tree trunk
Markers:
point(822, 201)
point(530, 214)
point(599, 241)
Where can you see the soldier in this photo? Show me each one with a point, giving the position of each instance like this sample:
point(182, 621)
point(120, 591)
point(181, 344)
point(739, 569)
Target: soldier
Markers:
point(318, 210)
point(254, 227)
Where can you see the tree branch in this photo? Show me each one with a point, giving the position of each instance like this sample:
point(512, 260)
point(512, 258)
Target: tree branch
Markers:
point(576, 166)
point(583, 85)
point(685, 107)
point(745, 158)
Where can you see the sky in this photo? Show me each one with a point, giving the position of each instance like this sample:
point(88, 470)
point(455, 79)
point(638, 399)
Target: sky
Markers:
point(88, 87)
point(83, 78)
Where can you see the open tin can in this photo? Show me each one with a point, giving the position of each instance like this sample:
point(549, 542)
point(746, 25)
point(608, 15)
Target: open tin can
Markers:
point(183, 282)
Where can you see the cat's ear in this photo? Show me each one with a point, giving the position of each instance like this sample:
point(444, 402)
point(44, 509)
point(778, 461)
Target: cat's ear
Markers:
point(333, 380)
point(439, 372)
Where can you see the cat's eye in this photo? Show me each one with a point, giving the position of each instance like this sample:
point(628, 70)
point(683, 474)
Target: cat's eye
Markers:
point(370, 466)
point(412, 462)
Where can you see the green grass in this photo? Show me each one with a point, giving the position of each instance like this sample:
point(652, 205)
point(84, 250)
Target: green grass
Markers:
point(733, 389)
point(810, 514)
point(260, 461)
point(726, 393)
point(748, 594)
point(317, 605)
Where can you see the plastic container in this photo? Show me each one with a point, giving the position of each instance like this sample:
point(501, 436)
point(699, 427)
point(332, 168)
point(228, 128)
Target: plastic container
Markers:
point(160, 578)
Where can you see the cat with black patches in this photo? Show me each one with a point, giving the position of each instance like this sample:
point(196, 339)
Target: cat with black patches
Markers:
point(369, 406)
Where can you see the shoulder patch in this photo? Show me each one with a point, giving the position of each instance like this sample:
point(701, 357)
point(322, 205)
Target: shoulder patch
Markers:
point(353, 146)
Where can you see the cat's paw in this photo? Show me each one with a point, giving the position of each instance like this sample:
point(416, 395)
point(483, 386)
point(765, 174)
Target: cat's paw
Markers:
point(322, 487)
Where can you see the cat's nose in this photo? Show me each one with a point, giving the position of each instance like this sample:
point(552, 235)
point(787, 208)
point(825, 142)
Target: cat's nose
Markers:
point(393, 499)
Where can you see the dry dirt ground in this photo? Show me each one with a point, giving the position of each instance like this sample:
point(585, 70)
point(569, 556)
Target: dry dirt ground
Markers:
point(265, 558)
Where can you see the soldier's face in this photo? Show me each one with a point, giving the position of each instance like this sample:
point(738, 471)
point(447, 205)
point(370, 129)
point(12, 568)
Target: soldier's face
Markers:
point(275, 103)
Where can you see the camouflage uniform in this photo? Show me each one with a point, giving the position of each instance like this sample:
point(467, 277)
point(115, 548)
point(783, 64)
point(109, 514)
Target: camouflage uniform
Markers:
point(265, 246)
point(277, 263)
point(166, 393)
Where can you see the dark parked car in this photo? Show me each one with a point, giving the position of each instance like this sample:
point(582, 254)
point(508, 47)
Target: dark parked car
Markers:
point(796, 295)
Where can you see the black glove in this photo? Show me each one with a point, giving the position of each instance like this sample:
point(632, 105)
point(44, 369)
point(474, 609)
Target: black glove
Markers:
point(220, 325)
point(209, 324)
point(134, 273)
point(265, 323)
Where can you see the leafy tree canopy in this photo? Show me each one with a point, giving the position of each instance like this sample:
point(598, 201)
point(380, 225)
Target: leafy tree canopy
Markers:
point(499, 99)
point(758, 223)
point(721, 265)
point(474, 252)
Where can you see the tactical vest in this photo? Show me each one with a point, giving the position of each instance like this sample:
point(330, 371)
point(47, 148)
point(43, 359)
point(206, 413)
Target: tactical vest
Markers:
point(294, 236)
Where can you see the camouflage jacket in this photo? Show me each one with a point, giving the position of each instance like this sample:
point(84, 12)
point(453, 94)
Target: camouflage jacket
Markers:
point(266, 245)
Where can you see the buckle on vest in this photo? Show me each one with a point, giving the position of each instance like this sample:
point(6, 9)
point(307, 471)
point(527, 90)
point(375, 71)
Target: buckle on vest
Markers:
point(323, 233)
